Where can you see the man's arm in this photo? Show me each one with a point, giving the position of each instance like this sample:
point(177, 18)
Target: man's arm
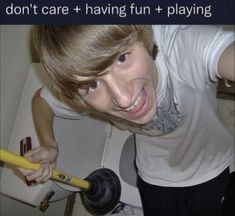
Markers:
point(47, 152)
point(226, 63)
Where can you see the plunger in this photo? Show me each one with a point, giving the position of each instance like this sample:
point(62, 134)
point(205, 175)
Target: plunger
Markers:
point(101, 190)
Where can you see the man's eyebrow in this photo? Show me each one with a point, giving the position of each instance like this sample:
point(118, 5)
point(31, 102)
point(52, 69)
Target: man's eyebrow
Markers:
point(82, 80)
point(85, 83)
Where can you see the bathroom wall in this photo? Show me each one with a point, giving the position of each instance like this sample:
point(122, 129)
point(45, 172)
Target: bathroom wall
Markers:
point(15, 60)
point(16, 56)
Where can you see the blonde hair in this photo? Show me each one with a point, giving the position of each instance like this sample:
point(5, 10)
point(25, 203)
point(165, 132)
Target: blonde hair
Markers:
point(84, 50)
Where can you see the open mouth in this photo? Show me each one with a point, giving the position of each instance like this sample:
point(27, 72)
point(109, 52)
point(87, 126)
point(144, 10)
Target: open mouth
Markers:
point(137, 107)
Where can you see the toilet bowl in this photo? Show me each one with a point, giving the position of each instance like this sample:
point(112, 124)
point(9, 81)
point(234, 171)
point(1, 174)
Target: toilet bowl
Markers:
point(85, 144)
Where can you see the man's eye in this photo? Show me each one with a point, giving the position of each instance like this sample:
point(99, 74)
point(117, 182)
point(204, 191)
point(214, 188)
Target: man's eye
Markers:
point(93, 85)
point(87, 88)
point(122, 58)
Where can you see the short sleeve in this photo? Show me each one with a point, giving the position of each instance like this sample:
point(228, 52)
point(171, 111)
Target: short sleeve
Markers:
point(221, 40)
point(192, 52)
point(59, 108)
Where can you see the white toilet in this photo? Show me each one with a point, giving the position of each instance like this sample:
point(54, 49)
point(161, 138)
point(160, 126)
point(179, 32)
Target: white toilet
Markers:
point(85, 145)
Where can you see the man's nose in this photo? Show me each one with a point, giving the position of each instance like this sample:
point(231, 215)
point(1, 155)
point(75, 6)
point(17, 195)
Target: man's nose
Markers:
point(120, 91)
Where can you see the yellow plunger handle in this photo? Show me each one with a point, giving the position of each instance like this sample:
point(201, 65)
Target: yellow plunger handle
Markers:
point(14, 159)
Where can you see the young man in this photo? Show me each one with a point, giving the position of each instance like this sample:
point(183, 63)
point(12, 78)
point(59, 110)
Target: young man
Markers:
point(158, 82)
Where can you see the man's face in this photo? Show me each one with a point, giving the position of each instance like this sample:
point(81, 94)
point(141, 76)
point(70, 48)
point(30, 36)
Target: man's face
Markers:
point(126, 89)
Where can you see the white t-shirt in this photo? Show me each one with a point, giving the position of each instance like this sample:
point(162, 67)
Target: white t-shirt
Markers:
point(200, 147)
point(195, 146)
point(60, 109)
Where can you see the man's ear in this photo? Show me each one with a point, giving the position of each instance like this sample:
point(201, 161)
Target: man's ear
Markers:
point(154, 51)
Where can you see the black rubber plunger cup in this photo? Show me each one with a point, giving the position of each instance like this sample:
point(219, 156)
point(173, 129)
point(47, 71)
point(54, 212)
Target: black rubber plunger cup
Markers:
point(104, 193)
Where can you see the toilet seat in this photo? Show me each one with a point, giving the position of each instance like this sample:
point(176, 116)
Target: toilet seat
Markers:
point(80, 153)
